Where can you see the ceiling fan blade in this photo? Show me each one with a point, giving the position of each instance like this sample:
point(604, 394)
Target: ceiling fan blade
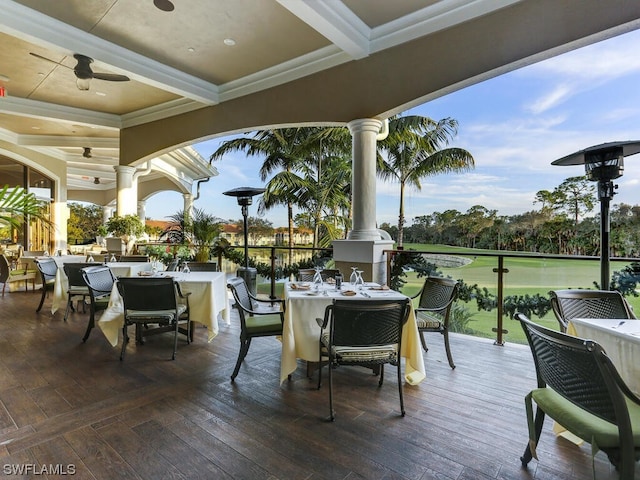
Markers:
point(110, 77)
point(49, 60)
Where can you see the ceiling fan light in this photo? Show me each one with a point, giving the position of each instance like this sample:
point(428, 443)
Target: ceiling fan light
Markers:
point(87, 152)
point(82, 83)
point(96, 180)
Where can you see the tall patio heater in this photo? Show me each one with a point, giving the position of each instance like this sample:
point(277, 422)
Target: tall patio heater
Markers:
point(603, 163)
point(245, 196)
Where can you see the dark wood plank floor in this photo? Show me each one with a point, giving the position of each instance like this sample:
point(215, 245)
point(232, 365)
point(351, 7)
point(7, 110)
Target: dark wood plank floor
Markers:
point(65, 403)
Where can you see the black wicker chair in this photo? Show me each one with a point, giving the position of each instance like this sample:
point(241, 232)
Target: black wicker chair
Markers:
point(569, 304)
point(366, 333)
point(100, 282)
point(580, 388)
point(434, 310)
point(77, 285)
point(153, 300)
point(258, 318)
point(306, 274)
point(203, 266)
point(47, 268)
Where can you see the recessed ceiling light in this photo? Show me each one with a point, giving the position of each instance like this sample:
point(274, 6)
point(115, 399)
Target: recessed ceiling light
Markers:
point(35, 128)
point(4, 78)
point(191, 49)
point(101, 94)
point(229, 42)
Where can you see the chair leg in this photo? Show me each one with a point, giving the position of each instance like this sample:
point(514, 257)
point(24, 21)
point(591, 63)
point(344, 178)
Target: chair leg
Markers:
point(448, 348)
point(175, 340)
point(89, 325)
point(381, 375)
point(400, 389)
point(332, 413)
point(538, 422)
point(424, 344)
point(69, 307)
point(125, 340)
point(4, 285)
point(244, 348)
point(44, 294)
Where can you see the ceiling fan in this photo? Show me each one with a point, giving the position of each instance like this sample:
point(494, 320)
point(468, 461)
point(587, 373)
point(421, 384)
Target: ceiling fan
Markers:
point(84, 73)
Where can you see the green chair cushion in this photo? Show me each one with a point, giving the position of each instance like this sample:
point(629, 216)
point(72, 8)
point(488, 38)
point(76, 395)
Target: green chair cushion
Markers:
point(155, 315)
point(264, 323)
point(582, 423)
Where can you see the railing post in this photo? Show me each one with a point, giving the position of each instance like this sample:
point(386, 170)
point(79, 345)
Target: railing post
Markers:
point(499, 330)
point(273, 273)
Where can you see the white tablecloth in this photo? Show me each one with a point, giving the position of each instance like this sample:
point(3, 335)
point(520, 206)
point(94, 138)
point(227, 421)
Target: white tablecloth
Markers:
point(208, 298)
point(301, 331)
point(119, 269)
point(620, 341)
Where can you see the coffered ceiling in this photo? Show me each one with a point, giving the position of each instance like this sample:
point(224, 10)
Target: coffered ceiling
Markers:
point(205, 53)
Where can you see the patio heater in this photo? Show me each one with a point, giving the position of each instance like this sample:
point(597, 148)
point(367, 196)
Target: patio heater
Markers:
point(603, 164)
point(245, 196)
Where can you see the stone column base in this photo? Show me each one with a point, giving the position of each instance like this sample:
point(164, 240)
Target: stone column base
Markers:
point(366, 255)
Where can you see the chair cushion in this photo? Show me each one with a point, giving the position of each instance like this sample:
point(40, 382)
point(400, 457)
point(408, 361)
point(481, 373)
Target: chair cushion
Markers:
point(154, 315)
point(264, 323)
point(366, 354)
point(583, 424)
point(78, 290)
point(428, 321)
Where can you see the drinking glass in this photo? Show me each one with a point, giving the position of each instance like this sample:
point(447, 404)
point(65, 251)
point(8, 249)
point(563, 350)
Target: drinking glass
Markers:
point(185, 268)
point(354, 276)
point(317, 278)
point(359, 280)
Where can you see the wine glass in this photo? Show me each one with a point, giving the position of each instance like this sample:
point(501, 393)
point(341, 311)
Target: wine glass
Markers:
point(359, 280)
point(317, 278)
point(354, 275)
point(185, 268)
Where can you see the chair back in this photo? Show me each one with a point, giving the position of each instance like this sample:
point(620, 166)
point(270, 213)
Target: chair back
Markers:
point(203, 266)
point(4, 268)
point(47, 268)
point(134, 258)
point(241, 295)
point(438, 294)
point(73, 271)
point(306, 274)
point(148, 293)
point(577, 369)
point(361, 323)
point(570, 304)
point(172, 266)
point(99, 279)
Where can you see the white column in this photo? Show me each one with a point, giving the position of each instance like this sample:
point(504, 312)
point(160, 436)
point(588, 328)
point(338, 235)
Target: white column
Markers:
point(364, 248)
point(127, 188)
point(187, 209)
point(363, 178)
point(107, 212)
point(142, 211)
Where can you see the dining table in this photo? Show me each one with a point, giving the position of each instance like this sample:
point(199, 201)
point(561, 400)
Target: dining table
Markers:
point(61, 285)
point(208, 298)
point(620, 339)
point(301, 332)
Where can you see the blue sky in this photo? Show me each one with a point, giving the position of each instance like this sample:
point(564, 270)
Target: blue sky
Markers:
point(514, 125)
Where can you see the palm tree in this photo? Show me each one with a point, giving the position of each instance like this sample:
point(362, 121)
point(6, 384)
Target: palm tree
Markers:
point(284, 150)
point(415, 149)
point(16, 204)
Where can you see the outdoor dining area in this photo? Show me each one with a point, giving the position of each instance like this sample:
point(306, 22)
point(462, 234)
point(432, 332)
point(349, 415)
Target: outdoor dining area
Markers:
point(65, 401)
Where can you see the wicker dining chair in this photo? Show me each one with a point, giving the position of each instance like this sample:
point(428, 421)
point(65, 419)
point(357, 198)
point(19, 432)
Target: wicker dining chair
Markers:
point(254, 320)
point(203, 266)
point(100, 281)
point(365, 333)
point(434, 310)
point(569, 304)
point(579, 387)
point(153, 301)
point(48, 269)
point(77, 286)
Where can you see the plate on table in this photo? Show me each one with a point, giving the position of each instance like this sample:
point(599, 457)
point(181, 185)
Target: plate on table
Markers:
point(300, 286)
point(312, 294)
point(380, 287)
point(348, 293)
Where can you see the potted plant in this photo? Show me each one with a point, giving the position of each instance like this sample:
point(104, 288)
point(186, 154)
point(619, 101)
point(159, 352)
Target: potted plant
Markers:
point(199, 230)
point(101, 233)
point(128, 228)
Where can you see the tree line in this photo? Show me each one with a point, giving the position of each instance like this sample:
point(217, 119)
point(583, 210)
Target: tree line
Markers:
point(564, 224)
